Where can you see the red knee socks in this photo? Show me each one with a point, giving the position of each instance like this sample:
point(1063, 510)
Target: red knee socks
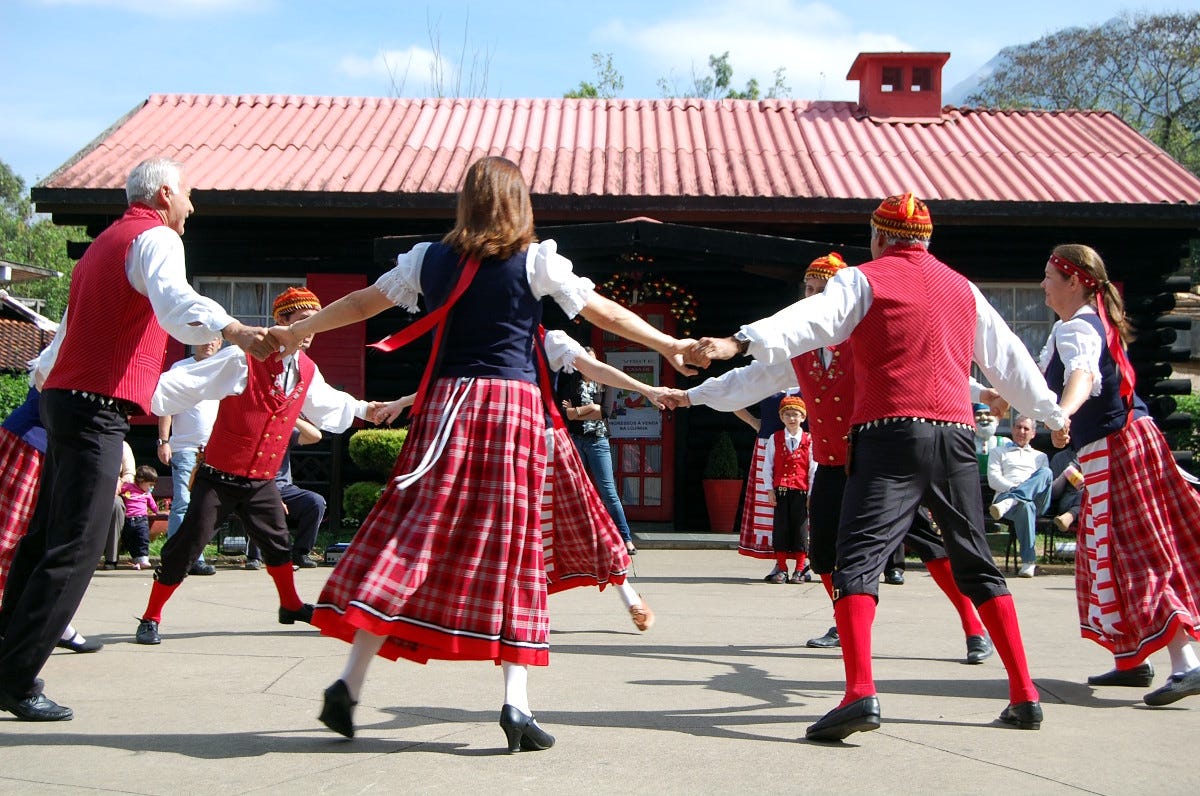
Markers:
point(939, 570)
point(159, 594)
point(781, 561)
point(1000, 616)
point(855, 614)
point(285, 584)
point(801, 561)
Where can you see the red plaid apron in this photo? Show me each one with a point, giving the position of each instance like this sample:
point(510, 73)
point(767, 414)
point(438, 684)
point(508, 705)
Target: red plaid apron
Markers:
point(21, 464)
point(582, 546)
point(1137, 570)
point(758, 517)
point(450, 566)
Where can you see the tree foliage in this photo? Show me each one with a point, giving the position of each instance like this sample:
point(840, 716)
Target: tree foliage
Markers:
point(1145, 68)
point(717, 83)
point(29, 240)
point(609, 81)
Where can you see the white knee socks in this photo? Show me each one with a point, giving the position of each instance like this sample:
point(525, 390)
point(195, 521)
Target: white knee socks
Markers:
point(516, 687)
point(628, 595)
point(1183, 654)
point(361, 653)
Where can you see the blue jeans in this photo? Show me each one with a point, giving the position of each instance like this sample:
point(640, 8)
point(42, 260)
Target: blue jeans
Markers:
point(1032, 498)
point(597, 458)
point(182, 464)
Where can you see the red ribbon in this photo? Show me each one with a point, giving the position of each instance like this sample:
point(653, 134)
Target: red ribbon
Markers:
point(1115, 347)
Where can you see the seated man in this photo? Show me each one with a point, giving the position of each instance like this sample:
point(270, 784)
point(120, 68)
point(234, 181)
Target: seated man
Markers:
point(1020, 474)
point(1066, 491)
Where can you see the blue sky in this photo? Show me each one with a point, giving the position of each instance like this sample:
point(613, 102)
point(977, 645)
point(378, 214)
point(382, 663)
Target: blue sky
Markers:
point(75, 67)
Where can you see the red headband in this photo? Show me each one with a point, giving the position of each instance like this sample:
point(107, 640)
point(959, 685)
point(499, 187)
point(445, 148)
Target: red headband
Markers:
point(1071, 269)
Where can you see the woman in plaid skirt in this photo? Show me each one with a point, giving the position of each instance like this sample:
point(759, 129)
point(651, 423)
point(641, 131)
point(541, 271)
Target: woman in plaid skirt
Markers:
point(1137, 567)
point(449, 563)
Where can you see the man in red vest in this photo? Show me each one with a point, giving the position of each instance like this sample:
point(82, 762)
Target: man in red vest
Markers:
point(260, 402)
point(128, 292)
point(915, 326)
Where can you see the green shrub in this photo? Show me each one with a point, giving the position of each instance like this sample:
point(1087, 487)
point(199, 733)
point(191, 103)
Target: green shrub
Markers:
point(375, 449)
point(722, 459)
point(360, 497)
point(13, 389)
point(1186, 439)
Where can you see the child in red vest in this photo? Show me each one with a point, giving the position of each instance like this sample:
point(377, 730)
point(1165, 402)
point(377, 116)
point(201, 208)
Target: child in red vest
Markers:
point(785, 477)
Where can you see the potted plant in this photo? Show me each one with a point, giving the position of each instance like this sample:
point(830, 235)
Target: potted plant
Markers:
point(722, 484)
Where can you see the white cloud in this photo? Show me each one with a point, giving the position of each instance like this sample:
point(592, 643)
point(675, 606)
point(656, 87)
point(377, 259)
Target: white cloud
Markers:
point(814, 42)
point(411, 71)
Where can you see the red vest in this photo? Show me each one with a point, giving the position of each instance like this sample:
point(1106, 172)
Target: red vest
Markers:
point(252, 431)
point(829, 395)
point(913, 348)
point(791, 467)
point(113, 344)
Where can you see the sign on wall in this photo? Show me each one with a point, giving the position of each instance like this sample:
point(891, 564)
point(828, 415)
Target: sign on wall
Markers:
point(631, 414)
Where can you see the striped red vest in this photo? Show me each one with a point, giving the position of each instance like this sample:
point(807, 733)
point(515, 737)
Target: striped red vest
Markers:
point(829, 396)
point(252, 431)
point(113, 344)
point(913, 348)
point(791, 467)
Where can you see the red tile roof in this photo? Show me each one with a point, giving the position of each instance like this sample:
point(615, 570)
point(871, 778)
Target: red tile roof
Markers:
point(683, 148)
point(20, 341)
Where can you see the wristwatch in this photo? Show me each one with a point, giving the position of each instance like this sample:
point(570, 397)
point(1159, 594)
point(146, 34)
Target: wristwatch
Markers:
point(162, 442)
point(743, 341)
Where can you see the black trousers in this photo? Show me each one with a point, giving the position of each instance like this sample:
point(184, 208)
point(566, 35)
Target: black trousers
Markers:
point(305, 510)
point(256, 503)
point(54, 562)
point(825, 514)
point(898, 467)
point(790, 534)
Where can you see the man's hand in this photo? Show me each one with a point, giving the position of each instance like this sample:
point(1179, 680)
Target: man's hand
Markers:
point(254, 340)
point(673, 399)
point(382, 413)
point(286, 341)
point(1062, 437)
point(998, 406)
point(707, 349)
point(164, 453)
point(771, 499)
point(655, 396)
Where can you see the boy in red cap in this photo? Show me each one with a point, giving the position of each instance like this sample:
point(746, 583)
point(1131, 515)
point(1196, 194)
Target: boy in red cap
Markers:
point(260, 402)
point(785, 476)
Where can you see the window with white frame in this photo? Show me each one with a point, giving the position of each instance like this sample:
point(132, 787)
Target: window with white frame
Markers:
point(247, 299)
point(1022, 305)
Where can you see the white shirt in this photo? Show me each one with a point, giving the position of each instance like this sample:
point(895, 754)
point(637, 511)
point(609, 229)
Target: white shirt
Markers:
point(829, 317)
point(155, 267)
point(191, 427)
point(561, 350)
point(1078, 345)
point(226, 372)
point(1011, 465)
point(548, 273)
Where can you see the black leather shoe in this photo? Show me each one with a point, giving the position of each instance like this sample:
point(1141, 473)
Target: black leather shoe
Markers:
point(827, 641)
point(522, 732)
point(979, 649)
point(1024, 716)
point(894, 577)
point(303, 561)
point(253, 563)
point(1177, 687)
point(302, 614)
point(202, 568)
point(1140, 676)
point(338, 711)
point(75, 645)
point(35, 708)
point(861, 715)
point(147, 632)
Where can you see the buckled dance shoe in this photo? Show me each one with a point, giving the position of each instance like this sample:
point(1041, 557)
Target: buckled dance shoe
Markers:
point(522, 732)
point(1023, 716)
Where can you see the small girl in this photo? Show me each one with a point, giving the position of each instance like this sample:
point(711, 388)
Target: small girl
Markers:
point(139, 507)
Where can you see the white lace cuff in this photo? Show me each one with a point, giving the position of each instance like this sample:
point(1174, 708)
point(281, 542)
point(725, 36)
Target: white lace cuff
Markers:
point(402, 284)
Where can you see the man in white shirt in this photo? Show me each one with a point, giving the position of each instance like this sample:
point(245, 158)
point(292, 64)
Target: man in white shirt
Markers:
point(181, 437)
point(1020, 474)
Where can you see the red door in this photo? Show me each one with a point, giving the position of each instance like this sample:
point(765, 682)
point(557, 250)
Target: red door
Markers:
point(642, 438)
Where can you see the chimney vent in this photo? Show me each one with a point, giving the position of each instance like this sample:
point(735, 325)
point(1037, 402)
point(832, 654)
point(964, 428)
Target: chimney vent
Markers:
point(899, 85)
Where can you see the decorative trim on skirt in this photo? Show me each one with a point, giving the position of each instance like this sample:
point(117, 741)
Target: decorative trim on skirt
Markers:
point(757, 524)
point(21, 465)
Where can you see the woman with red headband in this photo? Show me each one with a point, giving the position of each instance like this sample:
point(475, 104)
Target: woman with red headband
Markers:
point(1137, 570)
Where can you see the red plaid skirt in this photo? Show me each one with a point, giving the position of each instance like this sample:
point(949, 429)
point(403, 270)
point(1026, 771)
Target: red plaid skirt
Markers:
point(451, 566)
point(21, 466)
point(582, 546)
point(758, 517)
point(1139, 556)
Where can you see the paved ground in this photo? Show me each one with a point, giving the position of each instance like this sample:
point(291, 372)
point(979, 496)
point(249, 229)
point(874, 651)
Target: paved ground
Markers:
point(712, 700)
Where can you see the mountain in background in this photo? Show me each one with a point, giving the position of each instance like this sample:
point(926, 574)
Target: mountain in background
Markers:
point(958, 93)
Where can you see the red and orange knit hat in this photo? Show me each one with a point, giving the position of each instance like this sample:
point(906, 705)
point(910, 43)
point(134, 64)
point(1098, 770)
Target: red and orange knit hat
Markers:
point(295, 298)
point(825, 267)
point(793, 402)
point(903, 216)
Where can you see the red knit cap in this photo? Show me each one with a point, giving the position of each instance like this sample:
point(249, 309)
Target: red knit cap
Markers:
point(825, 267)
point(903, 216)
point(793, 402)
point(295, 298)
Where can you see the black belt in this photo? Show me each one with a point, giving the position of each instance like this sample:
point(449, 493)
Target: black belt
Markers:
point(783, 490)
point(229, 478)
point(887, 421)
point(119, 404)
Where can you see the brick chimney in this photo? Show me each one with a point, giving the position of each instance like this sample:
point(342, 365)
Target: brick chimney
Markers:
point(899, 85)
